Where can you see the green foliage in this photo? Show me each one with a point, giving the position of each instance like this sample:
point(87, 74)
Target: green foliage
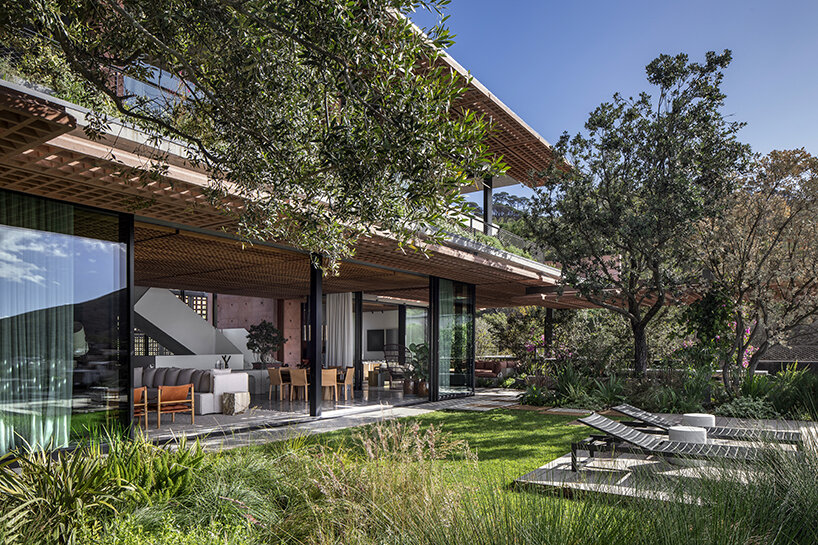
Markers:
point(127, 531)
point(326, 119)
point(609, 392)
point(748, 407)
point(52, 497)
point(512, 330)
point(756, 386)
point(794, 392)
point(538, 396)
point(155, 473)
point(419, 364)
point(264, 338)
point(644, 173)
point(406, 441)
point(508, 382)
point(671, 400)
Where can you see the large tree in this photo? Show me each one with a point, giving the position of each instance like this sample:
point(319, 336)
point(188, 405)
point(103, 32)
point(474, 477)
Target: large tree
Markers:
point(328, 118)
point(617, 212)
point(762, 254)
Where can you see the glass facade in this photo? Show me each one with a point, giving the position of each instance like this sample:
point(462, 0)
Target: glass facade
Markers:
point(64, 322)
point(454, 350)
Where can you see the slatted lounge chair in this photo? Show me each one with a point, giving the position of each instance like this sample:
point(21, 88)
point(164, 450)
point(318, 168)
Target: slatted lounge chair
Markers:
point(716, 432)
point(621, 438)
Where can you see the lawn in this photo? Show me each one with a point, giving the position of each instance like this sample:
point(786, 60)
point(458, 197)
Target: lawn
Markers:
point(509, 443)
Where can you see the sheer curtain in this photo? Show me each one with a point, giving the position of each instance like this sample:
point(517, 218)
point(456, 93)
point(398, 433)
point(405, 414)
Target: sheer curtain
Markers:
point(36, 322)
point(446, 338)
point(340, 330)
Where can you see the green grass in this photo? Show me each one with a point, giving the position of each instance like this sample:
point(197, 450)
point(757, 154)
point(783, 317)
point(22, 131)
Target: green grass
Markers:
point(417, 481)
point(509, 443)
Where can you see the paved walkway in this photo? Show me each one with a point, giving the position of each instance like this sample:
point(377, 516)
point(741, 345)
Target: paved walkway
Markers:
point(483, 400)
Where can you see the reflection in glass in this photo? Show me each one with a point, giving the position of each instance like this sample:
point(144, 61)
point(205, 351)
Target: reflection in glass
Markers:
point(62, 281)
point(456, 341)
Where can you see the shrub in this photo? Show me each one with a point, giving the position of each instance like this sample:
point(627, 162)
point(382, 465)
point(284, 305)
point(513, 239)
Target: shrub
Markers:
point(758, 386)
point(609, 392)
point(50, 498)
point(537, 396)
point(748, 407)
point(794, 392)
point(509, 382)
point(153, 472)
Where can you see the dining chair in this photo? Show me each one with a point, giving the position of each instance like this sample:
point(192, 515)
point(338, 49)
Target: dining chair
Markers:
point(298, 379)
point(174, 399)
point(140, 404)
point(329, 379)
point(276, 380)
point(347, 384)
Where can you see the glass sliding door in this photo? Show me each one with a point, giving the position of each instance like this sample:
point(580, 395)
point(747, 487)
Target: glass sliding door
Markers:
point(455, 344)
point(417, 340)
point(64, 321)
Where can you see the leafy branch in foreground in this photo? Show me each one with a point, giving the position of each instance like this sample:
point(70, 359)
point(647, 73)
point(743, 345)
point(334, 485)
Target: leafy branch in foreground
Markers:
point(327, 119)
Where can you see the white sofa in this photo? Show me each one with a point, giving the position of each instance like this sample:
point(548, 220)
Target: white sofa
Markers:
point(208, 384)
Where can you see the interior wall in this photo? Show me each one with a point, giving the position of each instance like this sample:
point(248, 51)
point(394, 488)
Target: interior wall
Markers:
point(234, 311)
point(377, 320)
point(290, 326)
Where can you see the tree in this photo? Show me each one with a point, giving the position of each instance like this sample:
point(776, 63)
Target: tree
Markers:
point(616, 213)
point(317, 121)
point(763, 254)
point(264, 339)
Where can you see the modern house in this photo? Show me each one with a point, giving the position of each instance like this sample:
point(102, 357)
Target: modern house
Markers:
point(100, 273)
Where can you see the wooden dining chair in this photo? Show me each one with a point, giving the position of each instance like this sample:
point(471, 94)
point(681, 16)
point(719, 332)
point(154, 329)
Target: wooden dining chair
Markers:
point(298, 379)
point(347, 384)
point(140, 404)
point(329, 379)
point(174, 399)
point(277, 380)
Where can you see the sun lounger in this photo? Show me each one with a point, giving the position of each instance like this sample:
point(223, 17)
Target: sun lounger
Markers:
point(618, 437)
point(717, 432)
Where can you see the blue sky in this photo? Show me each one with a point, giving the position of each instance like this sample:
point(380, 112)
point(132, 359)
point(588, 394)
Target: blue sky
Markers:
point(554, 62)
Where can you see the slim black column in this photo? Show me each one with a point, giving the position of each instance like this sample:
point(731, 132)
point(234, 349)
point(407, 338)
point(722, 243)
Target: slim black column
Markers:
point(357, 347)
point(549, 331)
point(434, 338)
point(126, 349)
point(314, 344)
point(488, 210)
point(402, 334)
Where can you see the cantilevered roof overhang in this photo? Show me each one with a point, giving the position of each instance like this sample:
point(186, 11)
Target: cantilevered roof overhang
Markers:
point(184, 242)
point(522, 148)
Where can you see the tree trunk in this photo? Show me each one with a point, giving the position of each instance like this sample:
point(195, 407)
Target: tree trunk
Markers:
point(640, 349)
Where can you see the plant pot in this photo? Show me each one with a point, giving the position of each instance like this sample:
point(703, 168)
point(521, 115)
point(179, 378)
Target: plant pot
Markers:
point(408, 386)
point(423, 388)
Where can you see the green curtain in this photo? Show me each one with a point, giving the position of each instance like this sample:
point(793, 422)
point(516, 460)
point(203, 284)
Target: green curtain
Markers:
point(36, 322)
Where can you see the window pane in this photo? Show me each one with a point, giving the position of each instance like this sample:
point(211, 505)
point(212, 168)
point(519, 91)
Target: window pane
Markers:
point(62, 285)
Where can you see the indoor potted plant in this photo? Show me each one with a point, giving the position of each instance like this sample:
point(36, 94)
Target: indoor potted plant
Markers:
point(264, 340)
point(420, 368)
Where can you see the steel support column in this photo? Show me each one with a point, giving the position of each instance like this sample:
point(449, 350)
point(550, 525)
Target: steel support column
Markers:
point(434, 338)
point(488, 205)
point(357, 346)
point(402, 334)
point(315, 342)
point(126, 348)
point(549, 331)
